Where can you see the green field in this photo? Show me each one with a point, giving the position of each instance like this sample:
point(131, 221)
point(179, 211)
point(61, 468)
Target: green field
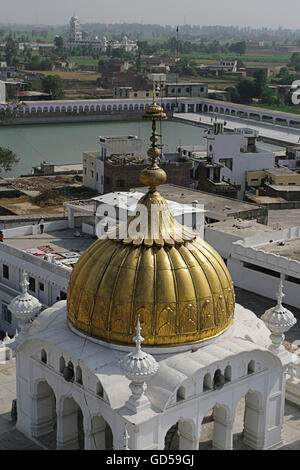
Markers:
point(86, 61)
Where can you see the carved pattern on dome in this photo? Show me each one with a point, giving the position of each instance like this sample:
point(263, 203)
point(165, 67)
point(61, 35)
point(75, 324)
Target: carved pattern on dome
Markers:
point(207, 320)
point(167, 321)
point(188, 319)
point(160, 284)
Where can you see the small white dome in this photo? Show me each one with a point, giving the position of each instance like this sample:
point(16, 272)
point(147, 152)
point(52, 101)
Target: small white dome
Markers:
point(25, 306)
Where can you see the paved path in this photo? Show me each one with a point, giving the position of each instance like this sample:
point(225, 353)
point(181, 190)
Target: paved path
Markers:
point(270, 131)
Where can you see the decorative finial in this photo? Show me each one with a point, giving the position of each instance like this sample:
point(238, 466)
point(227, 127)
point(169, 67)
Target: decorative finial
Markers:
point(125, 438)
point(280, 293)
point(24, 307)
point(24, 282)
point(138, 338)
point(154, 176)
point(138, 366)
point(278, 320)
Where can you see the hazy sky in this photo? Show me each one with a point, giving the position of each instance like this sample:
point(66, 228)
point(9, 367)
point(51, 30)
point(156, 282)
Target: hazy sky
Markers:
point(255, 13)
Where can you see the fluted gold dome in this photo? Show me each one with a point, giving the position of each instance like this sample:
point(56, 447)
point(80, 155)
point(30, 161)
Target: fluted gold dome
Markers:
point(153, 268)
point(176, 282)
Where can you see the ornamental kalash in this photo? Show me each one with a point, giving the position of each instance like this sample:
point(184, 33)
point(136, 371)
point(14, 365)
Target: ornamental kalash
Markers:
point(150, 345)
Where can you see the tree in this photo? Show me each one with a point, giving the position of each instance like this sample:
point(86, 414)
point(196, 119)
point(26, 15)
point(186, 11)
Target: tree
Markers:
point(54, 85)
point(11, 50)
point(260, 77)
point(246, 89)
point(238, 47)
point(59, 43)
point(8, 159)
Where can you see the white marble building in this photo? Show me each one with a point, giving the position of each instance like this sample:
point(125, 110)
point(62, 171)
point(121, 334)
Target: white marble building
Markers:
point(81, 384)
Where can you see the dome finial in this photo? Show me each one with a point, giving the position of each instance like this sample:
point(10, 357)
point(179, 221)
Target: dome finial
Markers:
point(138, 367)
point(154, 176)
point(280, 293)
point(278, 320)
point(138, 338)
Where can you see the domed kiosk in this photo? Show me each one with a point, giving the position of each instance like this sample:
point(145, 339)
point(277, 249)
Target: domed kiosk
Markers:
point(199, 351)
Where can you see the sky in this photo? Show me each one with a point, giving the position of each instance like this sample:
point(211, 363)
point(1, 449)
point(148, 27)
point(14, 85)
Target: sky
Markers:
point(254, 13)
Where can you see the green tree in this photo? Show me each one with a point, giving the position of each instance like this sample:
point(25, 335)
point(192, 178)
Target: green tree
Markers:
point(54, 85)
point(11, 50)
point(8, 159)
point(59, 43)
point(246, 88)
point(260, 77)
point(238, 47)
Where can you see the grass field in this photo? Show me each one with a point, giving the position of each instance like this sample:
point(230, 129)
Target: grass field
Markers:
point(70, 75)
point(86, 61)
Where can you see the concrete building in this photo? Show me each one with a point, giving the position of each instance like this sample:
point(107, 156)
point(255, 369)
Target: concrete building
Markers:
point(229, 158)
point(47, 258)
point(256, 255)
point(117, 165)
point(186, 89)
point(217, 208)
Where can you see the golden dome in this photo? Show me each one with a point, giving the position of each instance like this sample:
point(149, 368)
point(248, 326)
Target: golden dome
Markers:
point(153, 268)
point(176, 282)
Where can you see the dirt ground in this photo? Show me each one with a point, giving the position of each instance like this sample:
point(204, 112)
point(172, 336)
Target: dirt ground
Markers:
point(44, 194)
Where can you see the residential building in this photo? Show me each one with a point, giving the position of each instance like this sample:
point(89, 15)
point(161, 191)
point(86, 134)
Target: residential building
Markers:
point(186, 90)
point(229, 157)
point(257, 254)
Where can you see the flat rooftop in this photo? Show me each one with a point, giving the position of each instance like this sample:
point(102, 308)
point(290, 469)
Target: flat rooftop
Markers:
point(240, 228)
point(64, 246)
point(285, 187)
point(211, 202)
point(284, 218)
point(288, 249)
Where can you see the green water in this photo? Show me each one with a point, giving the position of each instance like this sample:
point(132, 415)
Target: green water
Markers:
point(65, 143)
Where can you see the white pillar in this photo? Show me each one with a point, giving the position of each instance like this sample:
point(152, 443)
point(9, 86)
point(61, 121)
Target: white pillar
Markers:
point(187, 438)
point(71, 222)
point(254, 427)
point(67, 430)
point(42, 415)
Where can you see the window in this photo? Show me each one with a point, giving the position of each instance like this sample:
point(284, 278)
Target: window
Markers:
point(44, 356)
point(31, 284)
point(120, 183)
point(147, 94)
point(261, 269)
point(296, 280)
point(187, 90)
point(85, 171)
point(97, 176)
point(5, 271)
point(92, 173)
point(6, 314)
point(41, 287)
point(180, 394)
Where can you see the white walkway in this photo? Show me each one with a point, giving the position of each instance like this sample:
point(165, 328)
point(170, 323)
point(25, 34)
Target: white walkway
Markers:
point(270, 131)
